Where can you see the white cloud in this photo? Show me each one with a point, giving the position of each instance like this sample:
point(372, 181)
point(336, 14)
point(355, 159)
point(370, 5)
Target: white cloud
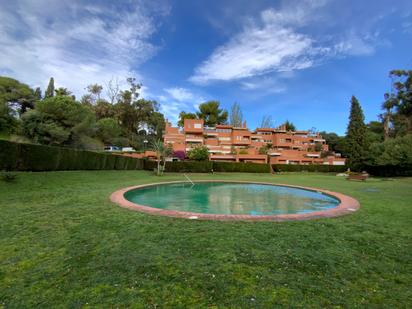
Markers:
point(75, 45)
point(180, 94)
point(264, 84)
point(277, 42)
point(177, 99)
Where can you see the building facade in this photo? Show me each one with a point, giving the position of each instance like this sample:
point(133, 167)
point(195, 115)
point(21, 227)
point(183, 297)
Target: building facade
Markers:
point(264, 145)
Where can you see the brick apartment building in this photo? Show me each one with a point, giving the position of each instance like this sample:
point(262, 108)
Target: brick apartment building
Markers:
point(239, 144)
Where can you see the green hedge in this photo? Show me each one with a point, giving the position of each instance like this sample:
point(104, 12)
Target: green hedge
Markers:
point(208, 166)
point(29, 157)
point(389, 170)
point(182, 166)
point(241, 167)
point(189, 166)
point(309, 168)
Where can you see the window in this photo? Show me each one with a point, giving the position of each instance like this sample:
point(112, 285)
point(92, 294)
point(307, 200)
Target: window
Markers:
point(198, 125)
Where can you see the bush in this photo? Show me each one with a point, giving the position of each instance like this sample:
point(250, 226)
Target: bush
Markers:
point(199, 153)
point(29, 157)
point(180, 154)
point(309, 168)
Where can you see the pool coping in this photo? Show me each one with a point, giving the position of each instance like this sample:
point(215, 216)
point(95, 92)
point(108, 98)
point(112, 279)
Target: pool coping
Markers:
point(347, 205)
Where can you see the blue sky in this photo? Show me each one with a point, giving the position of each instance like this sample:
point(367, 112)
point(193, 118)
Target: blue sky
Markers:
point(295, 60)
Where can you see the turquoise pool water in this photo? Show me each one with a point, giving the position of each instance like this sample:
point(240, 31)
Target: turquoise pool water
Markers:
point(231, 198)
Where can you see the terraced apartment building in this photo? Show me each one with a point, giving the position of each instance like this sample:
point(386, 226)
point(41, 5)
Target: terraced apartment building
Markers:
point(264, 145)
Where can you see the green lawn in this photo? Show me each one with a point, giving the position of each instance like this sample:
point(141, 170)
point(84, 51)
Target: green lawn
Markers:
point(64, 244)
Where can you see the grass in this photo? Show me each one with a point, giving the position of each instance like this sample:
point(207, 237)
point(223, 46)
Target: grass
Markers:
point(63, 244)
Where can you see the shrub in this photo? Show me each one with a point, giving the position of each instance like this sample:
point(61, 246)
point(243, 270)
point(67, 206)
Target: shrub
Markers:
point(199, 153)
point(180, 154)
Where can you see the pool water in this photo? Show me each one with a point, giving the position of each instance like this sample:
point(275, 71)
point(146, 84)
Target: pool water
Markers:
point(231, 198)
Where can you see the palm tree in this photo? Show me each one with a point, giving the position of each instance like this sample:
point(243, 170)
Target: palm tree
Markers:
point(162, 152)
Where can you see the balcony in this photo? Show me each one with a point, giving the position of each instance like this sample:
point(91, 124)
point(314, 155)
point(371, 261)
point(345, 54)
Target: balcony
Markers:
point(194, 138)
point(243, 141)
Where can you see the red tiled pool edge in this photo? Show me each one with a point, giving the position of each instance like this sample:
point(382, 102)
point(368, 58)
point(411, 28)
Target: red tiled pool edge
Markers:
point(347, 205)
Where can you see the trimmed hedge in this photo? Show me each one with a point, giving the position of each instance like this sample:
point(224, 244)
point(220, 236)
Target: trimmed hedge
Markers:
point(29, 157)
point(241, 167)
point(182, 166)
point(189, 166)
point(389, 170)
point(309, 168)
point(208, 166)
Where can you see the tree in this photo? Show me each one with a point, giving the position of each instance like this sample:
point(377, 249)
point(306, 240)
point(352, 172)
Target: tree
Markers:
point(156, 124)
point(394, 151)
point(212, 114)
point(335, 142)
point(267, 122)
point(356, 141)
point(107, 130)
point(113, 90)
point(37, 93)
point(162, 152)
point(398, 103)
point(198, 153)
point(95, 91)
point(62, 92)
point(289, 126)
point(236, 116)
point(50, 89)
point(183, 116)
point(375, 132)
point(8, 121)
point(104, 109)
point(58, 120)
point(16, 95)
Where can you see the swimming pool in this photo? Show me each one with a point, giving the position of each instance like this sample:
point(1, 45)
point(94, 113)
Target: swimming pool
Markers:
point(233, 200)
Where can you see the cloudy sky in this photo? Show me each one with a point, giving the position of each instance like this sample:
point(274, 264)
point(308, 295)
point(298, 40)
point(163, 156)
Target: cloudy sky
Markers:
point(296, 60)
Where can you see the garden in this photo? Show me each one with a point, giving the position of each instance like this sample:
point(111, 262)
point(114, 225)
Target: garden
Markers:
point(64, 244)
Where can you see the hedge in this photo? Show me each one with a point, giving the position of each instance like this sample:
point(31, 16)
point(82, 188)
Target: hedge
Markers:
point(248, 167)
point(182, 166)
point(389, 170)
point(29, 157)
point(309, 168)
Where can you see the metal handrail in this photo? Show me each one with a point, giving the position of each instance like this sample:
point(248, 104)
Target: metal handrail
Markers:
point(187, 177)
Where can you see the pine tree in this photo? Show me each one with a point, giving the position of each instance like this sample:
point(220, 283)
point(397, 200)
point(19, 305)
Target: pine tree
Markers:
point(50, 89)
point(356, 141)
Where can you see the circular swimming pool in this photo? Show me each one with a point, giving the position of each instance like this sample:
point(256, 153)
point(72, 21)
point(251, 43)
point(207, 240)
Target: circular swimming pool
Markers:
point(221, 200)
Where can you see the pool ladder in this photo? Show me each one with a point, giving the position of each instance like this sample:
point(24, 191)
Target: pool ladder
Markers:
point(187, 177)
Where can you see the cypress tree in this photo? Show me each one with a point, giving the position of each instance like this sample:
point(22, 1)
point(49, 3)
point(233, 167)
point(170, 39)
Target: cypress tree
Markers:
point(37, 93)
point(50, 89)
point(356, 141)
